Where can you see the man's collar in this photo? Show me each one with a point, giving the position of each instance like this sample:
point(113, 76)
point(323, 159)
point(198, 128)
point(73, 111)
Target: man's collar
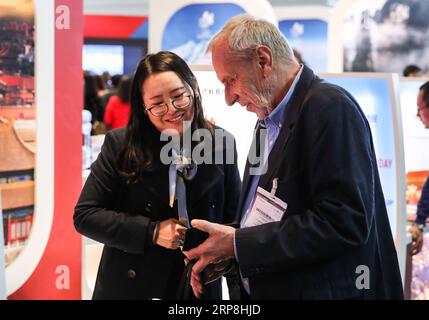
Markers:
point(276, 116)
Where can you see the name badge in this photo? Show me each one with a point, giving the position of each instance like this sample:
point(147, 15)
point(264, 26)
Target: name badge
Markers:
point(266, 208)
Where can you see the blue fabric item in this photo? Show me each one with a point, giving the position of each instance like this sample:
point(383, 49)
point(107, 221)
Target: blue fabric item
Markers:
point(180, 168)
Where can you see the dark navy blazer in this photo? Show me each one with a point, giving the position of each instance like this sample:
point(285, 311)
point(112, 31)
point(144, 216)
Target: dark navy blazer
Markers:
point(123, 216)
point(336, 220)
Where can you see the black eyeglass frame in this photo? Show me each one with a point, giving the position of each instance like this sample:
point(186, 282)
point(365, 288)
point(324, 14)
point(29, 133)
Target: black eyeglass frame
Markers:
point(172, 102)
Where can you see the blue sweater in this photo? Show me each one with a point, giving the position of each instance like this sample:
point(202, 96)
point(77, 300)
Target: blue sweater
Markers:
point(423, 205)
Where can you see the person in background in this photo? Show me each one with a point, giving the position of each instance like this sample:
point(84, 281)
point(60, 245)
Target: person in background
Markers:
point(418, 226)
point(106, 78)
point(129, 202)
point(111, 91)
point(118, 108)
point(313, 219)
point(412, 71)
point(91, 99)
point(100, 84)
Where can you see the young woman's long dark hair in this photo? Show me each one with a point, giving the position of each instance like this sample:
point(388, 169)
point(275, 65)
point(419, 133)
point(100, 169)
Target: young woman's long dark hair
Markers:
point(142, 138)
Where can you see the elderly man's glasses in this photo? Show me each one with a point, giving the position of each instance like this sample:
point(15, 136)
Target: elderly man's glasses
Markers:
point(181, 102)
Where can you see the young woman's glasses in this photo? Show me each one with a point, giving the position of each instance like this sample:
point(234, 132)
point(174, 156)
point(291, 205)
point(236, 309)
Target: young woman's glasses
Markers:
point(181, 102)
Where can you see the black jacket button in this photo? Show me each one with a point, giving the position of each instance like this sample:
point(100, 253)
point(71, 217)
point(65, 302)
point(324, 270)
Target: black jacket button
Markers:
point(131, 274)
point(148, 207)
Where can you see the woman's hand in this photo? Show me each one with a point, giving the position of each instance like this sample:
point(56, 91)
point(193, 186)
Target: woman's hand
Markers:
point(170, 234)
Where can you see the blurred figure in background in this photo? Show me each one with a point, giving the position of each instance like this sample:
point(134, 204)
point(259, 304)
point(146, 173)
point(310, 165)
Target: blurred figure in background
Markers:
point(91, 99)
point(423, 205)
point(100, 84)
point(107, 81)
point(118, 108)
point(412, 71)
point(111, 91)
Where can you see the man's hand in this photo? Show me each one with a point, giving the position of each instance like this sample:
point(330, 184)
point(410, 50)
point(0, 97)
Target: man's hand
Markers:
point(215, 250)
point(215, 270)
point(417, 236)
point(211, 273)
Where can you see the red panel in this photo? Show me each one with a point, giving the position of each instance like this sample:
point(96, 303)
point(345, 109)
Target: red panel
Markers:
point(111, 27)
point(25, 82)
point(64, 245)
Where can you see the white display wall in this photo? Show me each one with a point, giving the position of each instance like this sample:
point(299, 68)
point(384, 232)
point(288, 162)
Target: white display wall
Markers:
point(235, 119)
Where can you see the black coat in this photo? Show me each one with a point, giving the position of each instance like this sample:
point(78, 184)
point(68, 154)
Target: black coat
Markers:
point(336, 218)
point(122, 216)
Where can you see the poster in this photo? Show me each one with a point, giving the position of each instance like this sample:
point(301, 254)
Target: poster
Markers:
point(309, 37)
point(224, 116)
point(306, 29)
point(17, 124)
point(384, 35)
point(48, 110)
point(186, 27)
point(191, 43)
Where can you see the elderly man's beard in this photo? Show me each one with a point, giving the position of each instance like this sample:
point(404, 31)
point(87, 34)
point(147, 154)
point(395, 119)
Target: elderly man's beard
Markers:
point(262, 91)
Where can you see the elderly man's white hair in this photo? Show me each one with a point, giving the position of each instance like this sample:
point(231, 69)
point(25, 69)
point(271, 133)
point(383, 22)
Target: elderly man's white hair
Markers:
point(246, 32)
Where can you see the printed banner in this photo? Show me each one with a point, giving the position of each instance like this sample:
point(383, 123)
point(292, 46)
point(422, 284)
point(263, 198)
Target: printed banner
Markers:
point(186, 27)
point(43, 251)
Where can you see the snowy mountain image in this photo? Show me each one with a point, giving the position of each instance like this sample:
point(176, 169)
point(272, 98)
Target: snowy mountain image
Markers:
point(189, 30)
point(195, 52)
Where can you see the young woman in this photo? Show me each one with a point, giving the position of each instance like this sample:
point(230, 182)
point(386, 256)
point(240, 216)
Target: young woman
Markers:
point(128, 202)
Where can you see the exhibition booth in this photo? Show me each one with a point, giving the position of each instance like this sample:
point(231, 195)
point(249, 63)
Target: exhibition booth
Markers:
point(44, 155)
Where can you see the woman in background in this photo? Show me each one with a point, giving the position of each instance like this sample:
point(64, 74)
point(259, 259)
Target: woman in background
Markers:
point(118, 108)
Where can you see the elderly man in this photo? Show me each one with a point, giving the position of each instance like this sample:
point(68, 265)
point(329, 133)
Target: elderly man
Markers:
point(313, 225)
